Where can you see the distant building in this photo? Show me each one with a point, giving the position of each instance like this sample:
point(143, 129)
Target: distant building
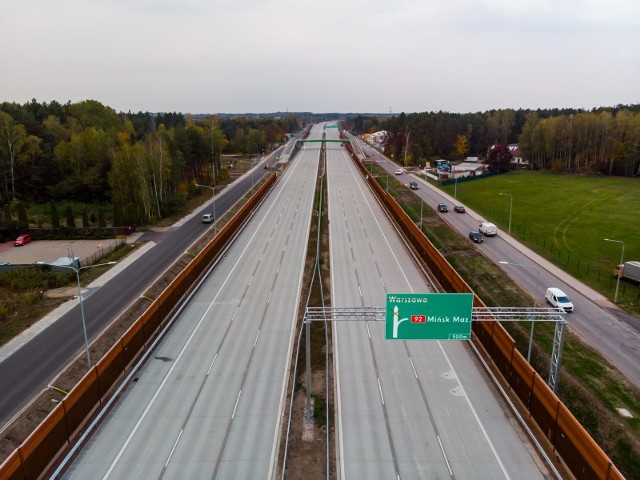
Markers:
point(468, 169)
point(463, 170)
point(516, 154)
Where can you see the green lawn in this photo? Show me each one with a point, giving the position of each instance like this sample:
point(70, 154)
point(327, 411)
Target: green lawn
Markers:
point(566, 218)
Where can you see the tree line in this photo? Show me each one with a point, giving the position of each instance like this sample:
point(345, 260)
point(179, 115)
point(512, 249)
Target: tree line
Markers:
point(603, 140)
point(142, 164)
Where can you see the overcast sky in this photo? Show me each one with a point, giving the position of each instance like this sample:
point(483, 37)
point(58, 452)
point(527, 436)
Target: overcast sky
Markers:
point(232, 56)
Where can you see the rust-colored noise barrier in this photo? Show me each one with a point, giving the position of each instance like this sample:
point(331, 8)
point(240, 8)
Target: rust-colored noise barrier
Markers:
point(65, 422)
point(573, 444)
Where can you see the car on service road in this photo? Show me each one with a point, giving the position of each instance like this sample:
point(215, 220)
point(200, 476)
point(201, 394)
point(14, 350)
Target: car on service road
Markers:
point(22, 240)
point(488, 229)
point(442, 207)
point(459, 208)
point(207, 218)
point(558, 299)
point(399, 171)
point(476, 237)
point(413, 185)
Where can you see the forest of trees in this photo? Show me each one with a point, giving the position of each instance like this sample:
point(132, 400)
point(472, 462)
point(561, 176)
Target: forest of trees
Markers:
point(143, 164)
point(605, 140)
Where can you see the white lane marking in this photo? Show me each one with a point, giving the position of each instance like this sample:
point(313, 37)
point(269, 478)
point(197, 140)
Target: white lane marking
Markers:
point(375, 218)
point(157, 392)
point(233, 414)
point(211, 366)
point(174, 448)
point(197, 327)
point(285, 247)
point(475, 414)
point(269, 299)
point(368, 332)
point(250, 280)
point(360, 290)
point(414, 368)
point(336, 357)
point(380, 388)
point(256, 341)
point(278, 270)
point(444, 454)
point(235, 313)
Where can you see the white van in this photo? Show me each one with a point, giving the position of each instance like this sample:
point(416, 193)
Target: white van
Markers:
point(207, 218)
point(559, 299)
point(488, 229)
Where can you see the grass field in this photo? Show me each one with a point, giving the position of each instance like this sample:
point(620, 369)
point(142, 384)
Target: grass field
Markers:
point(566, 218)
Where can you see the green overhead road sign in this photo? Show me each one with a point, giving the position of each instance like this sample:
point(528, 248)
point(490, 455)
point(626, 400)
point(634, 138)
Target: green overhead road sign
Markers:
point(344, 140)
point(429, 316)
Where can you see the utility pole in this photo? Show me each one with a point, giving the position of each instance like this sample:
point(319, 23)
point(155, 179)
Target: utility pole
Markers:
point(406, 145)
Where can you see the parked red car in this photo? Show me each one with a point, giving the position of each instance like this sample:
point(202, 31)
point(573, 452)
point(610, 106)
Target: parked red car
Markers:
point(22, 239)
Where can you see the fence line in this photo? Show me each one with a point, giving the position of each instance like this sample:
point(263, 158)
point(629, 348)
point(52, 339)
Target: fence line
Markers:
point(103, 251)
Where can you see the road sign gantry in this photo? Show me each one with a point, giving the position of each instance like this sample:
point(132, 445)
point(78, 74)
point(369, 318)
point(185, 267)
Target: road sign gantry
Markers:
point(478, 314)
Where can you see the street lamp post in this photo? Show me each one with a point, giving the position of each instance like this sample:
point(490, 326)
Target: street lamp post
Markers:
point(253, 163)
point(213, 196)
point(510, 207)
point(84, 323)
point(615, 297)
point(534, 301)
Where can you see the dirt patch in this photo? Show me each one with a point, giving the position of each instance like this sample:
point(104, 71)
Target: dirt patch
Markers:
point(63, 292)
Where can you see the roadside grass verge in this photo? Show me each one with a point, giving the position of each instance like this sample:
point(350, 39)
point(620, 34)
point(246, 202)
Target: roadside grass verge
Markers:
point(588, 385)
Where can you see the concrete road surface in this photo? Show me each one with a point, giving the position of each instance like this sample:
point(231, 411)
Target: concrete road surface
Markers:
point(209, 404)
point(406, 409)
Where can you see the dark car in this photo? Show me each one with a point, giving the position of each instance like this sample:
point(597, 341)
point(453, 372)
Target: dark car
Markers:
point(476, 237)
point(459, 208)
point(22, 240)
point(442, 207)
point(413, 185)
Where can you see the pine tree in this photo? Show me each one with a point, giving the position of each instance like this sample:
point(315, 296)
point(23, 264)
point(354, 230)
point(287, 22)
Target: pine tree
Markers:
point(101, 220)
point(55, 218)
point(85, 219)
point(117, 216)
point(71, 221)
point(23, 218)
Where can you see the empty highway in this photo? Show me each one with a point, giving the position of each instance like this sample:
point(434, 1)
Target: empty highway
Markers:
point(405, 409)
point(209, 404)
